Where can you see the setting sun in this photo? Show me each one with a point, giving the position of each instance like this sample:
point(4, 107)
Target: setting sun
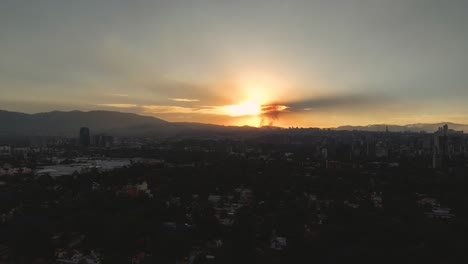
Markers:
point(244, 109)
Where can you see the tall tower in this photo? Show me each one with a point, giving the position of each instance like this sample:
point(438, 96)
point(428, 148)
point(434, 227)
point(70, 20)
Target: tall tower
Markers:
point(440, 149)
point(85, 138)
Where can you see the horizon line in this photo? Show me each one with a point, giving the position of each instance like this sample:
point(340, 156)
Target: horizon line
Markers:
point(285, 127)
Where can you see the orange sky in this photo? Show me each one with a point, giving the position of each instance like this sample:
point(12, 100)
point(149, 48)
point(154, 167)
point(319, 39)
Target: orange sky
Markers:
point(327, 63)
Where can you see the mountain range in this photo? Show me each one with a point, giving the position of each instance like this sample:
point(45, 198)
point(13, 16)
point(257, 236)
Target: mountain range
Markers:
point(419, 127)
point(67, 124)
point(59, 123)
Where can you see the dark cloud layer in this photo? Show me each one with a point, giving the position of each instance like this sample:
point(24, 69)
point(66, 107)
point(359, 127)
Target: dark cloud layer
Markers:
point(272, 112)
point(337, 101)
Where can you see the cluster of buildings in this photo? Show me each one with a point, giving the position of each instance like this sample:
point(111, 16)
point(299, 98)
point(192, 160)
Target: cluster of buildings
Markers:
point(314, 160)
point(433, 208)
point(7, 169)
point(69, 249)
point(438, 150)
point(98, 140)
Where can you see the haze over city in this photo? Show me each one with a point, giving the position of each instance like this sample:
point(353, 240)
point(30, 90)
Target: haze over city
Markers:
point(282, 63)
point(233, 131)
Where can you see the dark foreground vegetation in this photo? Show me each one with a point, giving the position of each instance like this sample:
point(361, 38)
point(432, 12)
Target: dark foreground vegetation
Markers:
point(212, 207)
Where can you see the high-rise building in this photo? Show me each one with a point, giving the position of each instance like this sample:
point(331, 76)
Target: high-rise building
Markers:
point(440, 150)
point(103, 141)
point(85, 138)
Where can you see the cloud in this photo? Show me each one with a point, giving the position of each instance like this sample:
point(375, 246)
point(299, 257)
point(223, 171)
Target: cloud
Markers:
point(119, 95)
point(184, 100)
point(184, 91)
point(272, 112)
point(119, 105)
point(337, 101)
point(170, 109)
point(273, 108)
point(268, 114)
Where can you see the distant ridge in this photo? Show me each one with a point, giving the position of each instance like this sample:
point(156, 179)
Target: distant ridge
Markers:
point(60, 123)
point(402, 128)
point(67, 124)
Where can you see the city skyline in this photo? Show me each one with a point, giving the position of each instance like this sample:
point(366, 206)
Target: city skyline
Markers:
point(294, 63)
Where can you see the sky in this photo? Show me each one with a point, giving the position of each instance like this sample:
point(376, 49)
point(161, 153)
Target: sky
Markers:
point(306, 63)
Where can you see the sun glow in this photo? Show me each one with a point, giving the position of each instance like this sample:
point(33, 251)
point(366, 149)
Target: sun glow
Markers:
point(244, 109)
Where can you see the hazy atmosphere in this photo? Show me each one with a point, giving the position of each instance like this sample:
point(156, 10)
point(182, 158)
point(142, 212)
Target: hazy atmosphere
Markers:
point(233, 131)
point(282, 63)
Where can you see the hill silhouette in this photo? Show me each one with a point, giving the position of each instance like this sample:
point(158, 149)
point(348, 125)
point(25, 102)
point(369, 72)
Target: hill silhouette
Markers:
point(60, 123)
